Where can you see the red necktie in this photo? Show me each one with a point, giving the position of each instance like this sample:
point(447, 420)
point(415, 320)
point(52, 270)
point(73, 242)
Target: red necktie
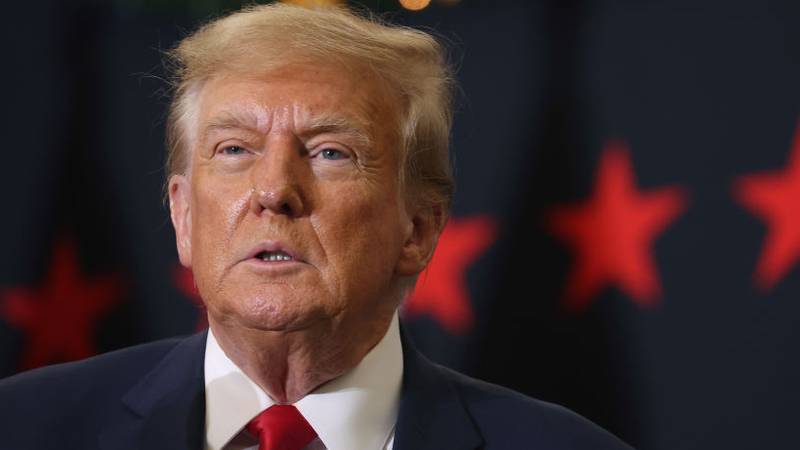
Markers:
point(281, 427)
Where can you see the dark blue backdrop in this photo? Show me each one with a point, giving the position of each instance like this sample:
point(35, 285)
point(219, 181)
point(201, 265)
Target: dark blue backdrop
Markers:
point(626, 230)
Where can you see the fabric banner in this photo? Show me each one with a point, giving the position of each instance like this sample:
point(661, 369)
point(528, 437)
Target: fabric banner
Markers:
point(625, 238)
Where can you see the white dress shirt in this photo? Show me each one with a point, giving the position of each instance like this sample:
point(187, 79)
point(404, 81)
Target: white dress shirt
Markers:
point(358, 410)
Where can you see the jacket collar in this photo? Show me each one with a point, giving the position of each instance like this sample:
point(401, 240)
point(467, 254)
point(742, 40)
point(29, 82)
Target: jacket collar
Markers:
point(432, 414)
point(167, 407)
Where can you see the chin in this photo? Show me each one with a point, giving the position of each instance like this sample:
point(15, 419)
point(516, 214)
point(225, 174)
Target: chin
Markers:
point(274, 314)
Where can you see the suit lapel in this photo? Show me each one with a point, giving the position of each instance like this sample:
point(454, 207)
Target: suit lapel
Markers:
point(432, 415)
point(166, 409)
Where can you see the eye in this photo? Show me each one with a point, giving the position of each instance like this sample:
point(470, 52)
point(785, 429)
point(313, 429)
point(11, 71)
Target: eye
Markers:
point(332, 154)
point(233, 150)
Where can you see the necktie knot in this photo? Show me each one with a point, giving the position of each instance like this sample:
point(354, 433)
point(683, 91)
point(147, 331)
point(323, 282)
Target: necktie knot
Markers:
point(281, 427)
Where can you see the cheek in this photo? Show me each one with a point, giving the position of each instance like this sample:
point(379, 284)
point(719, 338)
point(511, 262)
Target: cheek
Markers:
point(361, 235)
point(215, 215)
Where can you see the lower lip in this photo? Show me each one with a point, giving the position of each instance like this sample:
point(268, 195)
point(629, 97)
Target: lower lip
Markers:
point(280, 265)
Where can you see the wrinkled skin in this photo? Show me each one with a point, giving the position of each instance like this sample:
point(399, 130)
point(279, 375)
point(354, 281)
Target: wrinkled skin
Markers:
point(301, 160)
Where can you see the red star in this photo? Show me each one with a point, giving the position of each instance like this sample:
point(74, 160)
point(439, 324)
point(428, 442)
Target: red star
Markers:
point(184, 281)
point(59, 316)
point(441, 289)
point(612, 232)
point(775, 198)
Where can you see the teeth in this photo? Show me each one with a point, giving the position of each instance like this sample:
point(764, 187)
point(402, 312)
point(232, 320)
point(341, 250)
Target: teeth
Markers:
point(275, 256)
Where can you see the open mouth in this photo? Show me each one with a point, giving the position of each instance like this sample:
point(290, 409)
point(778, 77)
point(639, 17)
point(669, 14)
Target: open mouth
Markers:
point(274, 256)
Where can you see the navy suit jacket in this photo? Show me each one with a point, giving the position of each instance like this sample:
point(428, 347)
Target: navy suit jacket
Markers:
point(152, 397)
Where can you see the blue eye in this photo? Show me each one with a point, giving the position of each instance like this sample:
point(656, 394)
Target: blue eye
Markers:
point(233, 150)
point(333, 154)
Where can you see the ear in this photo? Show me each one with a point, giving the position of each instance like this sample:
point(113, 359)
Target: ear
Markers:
point(180, 210)
point(422, 234)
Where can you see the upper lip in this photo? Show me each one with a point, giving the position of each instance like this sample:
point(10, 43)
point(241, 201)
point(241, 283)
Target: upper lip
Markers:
point(273, 246)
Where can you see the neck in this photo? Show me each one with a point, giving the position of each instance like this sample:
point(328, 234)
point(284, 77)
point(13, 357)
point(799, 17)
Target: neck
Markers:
point(288, 365)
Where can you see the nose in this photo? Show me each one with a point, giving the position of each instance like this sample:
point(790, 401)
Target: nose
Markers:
point(277, 180)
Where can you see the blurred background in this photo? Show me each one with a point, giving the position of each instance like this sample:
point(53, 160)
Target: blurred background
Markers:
point(625, 237)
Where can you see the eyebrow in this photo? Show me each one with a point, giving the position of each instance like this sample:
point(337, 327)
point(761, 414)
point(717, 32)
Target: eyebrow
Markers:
point(323, 123)
point(228, 120)
point(335, 124)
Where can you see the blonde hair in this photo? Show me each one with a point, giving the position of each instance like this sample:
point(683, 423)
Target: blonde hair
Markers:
point(264, 37)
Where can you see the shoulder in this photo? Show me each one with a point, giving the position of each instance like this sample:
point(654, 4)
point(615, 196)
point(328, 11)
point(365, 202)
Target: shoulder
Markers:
point(507, 418)
point(84, 383)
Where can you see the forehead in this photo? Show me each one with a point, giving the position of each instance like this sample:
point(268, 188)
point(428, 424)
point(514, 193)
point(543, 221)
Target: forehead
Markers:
point(294, 96)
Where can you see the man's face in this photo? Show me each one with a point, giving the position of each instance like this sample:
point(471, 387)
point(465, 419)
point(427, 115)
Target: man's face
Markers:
point(291, 212)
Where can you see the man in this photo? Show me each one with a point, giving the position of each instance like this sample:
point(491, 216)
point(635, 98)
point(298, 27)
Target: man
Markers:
point(309, 182)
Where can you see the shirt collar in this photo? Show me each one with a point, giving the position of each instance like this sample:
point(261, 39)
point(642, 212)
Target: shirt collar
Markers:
point(355, 410)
